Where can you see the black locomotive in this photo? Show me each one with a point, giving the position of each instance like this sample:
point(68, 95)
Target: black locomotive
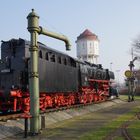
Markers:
point(63, 79)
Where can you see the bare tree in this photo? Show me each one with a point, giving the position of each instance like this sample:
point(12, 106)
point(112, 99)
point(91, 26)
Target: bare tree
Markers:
point(136, 48)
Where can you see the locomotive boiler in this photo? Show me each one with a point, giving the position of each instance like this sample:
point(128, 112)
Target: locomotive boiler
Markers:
point(63, 80)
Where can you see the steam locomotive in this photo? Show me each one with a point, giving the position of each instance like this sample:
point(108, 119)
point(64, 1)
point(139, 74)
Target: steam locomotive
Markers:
point(63, 80)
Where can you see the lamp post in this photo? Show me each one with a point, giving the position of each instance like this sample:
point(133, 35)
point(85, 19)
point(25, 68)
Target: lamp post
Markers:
point(118, 77)
point(111, 66)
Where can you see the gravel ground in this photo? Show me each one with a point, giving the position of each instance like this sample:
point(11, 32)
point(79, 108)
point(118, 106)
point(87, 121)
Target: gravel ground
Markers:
point(72, 129)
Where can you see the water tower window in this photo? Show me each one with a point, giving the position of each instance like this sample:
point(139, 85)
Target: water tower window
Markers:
point(90, 44)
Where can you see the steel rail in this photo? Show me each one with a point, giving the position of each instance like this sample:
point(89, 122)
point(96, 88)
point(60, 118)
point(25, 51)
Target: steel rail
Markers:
point(125, 134)
point(14, 116)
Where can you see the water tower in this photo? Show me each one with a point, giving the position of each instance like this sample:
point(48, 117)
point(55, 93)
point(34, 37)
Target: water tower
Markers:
point(88, 47)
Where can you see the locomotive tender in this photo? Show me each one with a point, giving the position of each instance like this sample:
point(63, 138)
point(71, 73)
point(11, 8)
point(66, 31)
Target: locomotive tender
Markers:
point(63, 80)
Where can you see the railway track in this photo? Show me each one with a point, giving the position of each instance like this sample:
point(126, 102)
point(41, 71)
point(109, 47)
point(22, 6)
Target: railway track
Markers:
point(70, 107)
point(14, 116)
point(125, 132)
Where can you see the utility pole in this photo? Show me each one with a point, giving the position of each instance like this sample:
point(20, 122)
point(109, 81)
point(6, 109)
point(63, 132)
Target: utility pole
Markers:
point(35, 30)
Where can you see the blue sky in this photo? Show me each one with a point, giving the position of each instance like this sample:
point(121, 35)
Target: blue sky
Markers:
point(116, 22)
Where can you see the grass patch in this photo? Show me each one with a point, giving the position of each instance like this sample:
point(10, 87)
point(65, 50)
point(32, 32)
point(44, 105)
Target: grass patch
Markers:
point(101, 133)
point(125, 97)
point(118, 138)
point(134, 129)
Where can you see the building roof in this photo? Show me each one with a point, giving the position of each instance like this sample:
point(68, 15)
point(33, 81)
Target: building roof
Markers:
point(87, 34)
